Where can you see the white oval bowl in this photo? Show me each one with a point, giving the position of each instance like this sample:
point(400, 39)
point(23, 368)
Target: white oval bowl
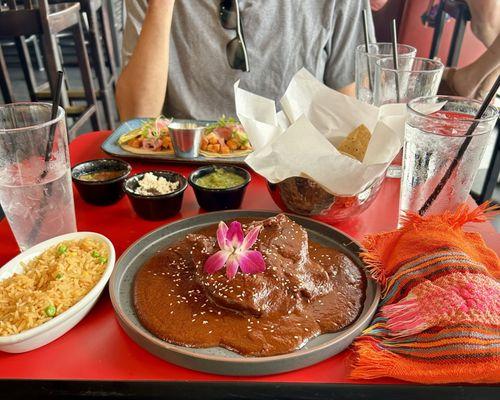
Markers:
point(51, 330)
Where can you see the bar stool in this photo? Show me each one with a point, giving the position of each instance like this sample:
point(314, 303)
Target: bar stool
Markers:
point(5, 84)
point(47, 21)
point(492, 173)
point(96, 13)
point(459, 10)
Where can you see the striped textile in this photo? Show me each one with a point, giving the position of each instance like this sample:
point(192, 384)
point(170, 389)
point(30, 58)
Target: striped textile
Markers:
point(439, 317)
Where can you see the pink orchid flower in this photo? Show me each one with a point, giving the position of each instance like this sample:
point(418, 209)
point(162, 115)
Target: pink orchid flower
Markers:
point(235, 251)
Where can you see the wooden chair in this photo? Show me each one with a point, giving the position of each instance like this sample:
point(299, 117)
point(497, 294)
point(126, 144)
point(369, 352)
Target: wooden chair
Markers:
point(97, 16)
point(33, 40)
point(46, 21)
point(116, 10)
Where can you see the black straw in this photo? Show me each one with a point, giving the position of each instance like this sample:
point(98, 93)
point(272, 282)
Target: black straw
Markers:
point(55, 106)
point(56, 98)
point(492, 93)
point(394, 39)
point(367, 49)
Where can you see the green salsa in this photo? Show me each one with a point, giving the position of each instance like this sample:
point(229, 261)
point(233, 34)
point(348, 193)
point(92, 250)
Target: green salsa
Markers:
point(220, 179)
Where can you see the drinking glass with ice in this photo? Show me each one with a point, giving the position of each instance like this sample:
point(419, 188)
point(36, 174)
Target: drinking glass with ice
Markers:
point(36, 194)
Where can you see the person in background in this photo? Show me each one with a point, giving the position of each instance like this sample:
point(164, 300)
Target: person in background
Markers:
point(477, 78)
point(377, 4)
point(181, 58)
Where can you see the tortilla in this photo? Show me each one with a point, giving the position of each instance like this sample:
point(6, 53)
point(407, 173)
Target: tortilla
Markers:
point(232, 154)
point(129, 136)
point(140, 150)
point(356, 143)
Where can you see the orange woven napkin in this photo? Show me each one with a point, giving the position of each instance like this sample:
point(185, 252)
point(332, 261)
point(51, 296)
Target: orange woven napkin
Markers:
point(439, 316)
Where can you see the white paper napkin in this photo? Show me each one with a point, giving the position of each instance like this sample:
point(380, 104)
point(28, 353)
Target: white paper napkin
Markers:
point(300, 140)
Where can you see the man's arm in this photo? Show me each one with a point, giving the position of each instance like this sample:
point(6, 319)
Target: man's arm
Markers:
point(142, 85)
point(349, 90)
point(477, 78)
point(485, 20)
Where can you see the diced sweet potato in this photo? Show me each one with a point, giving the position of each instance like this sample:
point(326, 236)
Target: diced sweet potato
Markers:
point(167, 142)
point(212, 138)
point(232, 144)
point(135, 143)
point(215, 148)
point(225, 150)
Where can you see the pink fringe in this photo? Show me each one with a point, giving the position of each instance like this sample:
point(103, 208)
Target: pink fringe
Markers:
point(404, 318)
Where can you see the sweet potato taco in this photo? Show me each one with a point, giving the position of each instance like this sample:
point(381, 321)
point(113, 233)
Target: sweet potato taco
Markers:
point(225, 138)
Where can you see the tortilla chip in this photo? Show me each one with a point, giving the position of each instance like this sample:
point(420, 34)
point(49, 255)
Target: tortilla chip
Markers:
point(232, 154)
point(356, 143)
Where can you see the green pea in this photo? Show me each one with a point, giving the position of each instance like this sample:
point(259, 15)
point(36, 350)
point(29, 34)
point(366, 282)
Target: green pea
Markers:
point(59, 276)
point(50, 311)
point(103, 260)
point(62, 249)
point(95, 254)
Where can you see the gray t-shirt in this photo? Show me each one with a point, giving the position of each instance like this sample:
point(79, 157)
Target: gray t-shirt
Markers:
point(281, 37)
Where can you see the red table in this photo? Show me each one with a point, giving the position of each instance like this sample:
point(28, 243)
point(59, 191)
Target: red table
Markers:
point(97, 349)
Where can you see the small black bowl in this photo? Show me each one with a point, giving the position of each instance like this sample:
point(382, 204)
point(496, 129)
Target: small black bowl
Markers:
point(101, 193)
point(219, 199)
point(156, 207)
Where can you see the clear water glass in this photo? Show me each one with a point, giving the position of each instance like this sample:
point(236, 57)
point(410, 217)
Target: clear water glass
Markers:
point(414, 78)
point(365, 61)
point(436, 130)
point(36, 196)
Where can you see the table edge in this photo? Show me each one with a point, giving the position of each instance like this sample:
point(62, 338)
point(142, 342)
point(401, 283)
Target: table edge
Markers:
point(151, 389)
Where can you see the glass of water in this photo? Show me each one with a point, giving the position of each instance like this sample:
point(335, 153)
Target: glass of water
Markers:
point(436, 145)
point(414, 78)
point(365, 62)
point(36, 195)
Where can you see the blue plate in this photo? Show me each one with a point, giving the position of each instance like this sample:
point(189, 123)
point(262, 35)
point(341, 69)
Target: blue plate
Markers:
point(111, 147)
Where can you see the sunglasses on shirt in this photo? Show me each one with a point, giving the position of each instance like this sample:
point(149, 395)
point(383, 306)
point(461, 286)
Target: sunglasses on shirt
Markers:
point(236, 51)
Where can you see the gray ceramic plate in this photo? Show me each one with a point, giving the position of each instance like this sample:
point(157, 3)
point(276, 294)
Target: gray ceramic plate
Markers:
point(111, 147)
point(218, 360)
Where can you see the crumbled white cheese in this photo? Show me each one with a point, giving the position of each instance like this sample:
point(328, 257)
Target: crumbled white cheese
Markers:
point(151, 184)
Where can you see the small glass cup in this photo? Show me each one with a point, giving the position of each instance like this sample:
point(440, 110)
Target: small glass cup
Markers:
point(365, 61)
point(414, 78)
point(435, 136)
point(36, 195)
